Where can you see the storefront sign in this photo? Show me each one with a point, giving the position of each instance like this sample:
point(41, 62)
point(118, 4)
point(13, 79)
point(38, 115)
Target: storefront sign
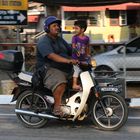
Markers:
point(10, 17)
point(13, 4)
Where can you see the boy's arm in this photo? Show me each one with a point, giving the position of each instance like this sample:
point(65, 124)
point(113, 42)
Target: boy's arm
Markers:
point(74, 50)
point(88, 49)
point(73, 45)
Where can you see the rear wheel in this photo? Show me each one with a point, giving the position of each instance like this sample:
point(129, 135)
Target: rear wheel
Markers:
point(110, 112)
point(24, 102)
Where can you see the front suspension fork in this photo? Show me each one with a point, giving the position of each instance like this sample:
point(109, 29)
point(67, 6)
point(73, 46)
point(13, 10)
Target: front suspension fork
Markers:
point(99, 98)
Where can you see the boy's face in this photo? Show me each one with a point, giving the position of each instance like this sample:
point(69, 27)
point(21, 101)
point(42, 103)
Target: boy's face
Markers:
point(78, 30)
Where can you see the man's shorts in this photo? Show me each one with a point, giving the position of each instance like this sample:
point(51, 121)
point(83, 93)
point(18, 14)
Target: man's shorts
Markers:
point(53, 78)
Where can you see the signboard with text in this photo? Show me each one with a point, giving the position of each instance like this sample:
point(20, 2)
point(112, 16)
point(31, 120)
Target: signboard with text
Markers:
point(13, 12)
point(10, 17)
point(13, 4)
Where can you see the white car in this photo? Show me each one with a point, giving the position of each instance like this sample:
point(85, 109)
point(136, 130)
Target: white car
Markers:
point(125, 58)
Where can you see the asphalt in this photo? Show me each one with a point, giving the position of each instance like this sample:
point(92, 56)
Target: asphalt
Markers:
point(11, 129)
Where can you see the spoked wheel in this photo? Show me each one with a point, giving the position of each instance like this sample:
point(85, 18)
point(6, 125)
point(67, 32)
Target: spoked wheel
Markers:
point(24, 103)
point(110, 113)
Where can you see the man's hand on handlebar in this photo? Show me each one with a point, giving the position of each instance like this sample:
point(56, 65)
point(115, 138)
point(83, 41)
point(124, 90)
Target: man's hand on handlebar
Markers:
point(74, 62)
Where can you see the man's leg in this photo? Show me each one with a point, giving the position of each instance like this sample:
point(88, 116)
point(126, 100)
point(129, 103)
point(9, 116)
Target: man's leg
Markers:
point(55, 80)
point(58, 93)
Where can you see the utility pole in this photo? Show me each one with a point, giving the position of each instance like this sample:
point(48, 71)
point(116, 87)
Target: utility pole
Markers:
point(53, 11)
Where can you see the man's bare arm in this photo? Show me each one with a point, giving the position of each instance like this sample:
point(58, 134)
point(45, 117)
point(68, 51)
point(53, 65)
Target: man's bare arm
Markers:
point(58, 58)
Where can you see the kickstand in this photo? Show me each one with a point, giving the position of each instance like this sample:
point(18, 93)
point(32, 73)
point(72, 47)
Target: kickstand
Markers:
point(73, 124)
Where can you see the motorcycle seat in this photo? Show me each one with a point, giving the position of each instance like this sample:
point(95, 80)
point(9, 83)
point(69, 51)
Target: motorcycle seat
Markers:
point(25, 76)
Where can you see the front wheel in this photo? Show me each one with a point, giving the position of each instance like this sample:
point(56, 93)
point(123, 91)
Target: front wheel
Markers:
point(110, 112)
point(27, 102)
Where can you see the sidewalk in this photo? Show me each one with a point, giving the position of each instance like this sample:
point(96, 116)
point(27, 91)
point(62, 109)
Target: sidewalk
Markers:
point(6, 99)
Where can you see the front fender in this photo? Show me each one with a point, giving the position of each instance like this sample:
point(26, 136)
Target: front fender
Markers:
point(98, 67)
point(87, 84)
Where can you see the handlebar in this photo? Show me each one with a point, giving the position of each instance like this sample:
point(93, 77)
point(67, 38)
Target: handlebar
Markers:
point(85, 66)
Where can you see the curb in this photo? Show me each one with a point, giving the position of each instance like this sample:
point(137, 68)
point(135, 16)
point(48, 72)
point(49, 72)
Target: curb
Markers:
point(6, 99)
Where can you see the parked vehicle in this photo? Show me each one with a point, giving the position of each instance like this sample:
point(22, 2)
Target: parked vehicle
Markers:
point(34, 105)
point(124, 57)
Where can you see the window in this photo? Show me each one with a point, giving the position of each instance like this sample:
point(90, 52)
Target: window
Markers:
point(114, 18)
point(123, 18)
point(118, 18)
point(92, 18)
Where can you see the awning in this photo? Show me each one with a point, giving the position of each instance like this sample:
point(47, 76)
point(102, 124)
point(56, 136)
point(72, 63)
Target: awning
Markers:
point(79, 3)
point(67, 8)
point(125, 6)
point(33, 18)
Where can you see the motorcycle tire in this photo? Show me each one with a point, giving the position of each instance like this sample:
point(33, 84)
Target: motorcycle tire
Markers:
point(24, 102)
point(110, 112)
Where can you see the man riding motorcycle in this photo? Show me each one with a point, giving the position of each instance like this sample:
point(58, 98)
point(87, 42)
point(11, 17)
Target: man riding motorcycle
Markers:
point(54, 52)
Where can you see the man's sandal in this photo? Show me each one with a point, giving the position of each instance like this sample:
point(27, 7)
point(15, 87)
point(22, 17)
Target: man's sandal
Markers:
point(58, 112)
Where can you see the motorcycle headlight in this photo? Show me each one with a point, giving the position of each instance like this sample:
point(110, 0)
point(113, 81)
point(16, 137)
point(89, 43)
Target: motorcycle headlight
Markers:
point(93, 63)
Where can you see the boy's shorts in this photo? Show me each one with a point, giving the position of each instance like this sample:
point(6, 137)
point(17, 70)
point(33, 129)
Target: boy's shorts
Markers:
point(77, 71)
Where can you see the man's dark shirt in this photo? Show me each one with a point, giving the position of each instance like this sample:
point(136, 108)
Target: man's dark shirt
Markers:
point(46, 46)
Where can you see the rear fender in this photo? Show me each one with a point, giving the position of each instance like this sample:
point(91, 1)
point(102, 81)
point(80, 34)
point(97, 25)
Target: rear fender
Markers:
point(18, 91)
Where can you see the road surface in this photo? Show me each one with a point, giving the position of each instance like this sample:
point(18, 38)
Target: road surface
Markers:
point(11, 129)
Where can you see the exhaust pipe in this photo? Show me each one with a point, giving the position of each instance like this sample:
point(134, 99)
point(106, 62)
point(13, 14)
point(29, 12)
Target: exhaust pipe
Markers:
point(30, 113)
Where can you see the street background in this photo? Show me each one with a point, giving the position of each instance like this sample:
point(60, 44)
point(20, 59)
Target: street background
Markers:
point(11, 129)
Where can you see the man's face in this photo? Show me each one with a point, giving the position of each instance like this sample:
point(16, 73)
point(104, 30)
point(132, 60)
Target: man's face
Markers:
point(54, 29)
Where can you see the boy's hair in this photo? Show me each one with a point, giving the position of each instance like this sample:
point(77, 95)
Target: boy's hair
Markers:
point(81, 23)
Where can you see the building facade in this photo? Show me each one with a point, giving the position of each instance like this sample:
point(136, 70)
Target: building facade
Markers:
point(112, 23)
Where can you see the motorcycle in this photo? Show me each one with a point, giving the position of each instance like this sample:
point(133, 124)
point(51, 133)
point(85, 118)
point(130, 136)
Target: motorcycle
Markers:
point(106, 109)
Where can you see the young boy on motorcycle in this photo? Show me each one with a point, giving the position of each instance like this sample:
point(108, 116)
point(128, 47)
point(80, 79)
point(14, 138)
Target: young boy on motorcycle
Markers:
point(81, 51)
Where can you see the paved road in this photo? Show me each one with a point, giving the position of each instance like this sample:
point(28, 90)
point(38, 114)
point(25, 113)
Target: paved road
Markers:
point(133, 90)
point(11, 129)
